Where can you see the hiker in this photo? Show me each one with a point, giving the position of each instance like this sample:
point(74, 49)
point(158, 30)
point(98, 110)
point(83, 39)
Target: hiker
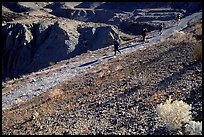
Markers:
point(178, 17)
point(116, 44)
point(161, 28)
point(85, 45)
point(144, 34)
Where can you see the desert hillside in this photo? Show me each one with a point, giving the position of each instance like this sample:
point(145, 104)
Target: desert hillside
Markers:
point(54, 84)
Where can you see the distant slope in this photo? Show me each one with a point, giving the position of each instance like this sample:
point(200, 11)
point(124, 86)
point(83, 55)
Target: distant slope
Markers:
point(130, 6)
point(16, 7)
point(90, 5)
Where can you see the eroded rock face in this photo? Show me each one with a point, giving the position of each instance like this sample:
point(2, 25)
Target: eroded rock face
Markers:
point(16, 48)
point(30, 47)
point(52, 47)
point(103, 37)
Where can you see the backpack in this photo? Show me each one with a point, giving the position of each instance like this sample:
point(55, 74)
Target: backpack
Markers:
point(116, 42)
point(178, 16)
point(144, 32)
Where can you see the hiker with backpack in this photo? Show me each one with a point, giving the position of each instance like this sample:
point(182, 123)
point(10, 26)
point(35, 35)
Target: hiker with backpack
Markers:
point(178, 17)
point(116, 45)
point(161, 28)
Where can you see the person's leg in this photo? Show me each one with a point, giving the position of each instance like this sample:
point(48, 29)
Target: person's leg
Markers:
point(177, 21)
point(119, 51)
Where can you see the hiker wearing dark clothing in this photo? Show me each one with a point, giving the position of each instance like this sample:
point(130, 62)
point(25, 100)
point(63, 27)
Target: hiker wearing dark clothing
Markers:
point(178, 17)
point(116, 45)
point(161, 28)
point(144, 34)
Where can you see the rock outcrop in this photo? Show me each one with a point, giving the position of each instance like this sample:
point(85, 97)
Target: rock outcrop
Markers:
point(30, 47)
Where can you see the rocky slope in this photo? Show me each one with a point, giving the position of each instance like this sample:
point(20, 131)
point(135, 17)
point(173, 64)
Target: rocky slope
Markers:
point(110, 95)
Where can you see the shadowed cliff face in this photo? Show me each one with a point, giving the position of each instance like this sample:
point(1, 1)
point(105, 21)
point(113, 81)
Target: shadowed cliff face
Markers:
point(30, 47)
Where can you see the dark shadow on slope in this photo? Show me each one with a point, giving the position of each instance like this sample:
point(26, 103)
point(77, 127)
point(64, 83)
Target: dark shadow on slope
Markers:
point(163, 131)
point(131, 91)
point(134, 45)
point(123, 96)
point(157, 58)
point(173, 78)
point(107, 57)
point(195, 98)
point(89, 63)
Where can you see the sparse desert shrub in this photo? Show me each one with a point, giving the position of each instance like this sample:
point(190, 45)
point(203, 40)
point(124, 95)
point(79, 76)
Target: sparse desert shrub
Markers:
point(174, 114)
point(197, 52)
point(193, 128)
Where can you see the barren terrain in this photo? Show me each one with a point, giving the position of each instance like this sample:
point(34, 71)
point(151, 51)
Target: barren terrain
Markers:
point(98, 93)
